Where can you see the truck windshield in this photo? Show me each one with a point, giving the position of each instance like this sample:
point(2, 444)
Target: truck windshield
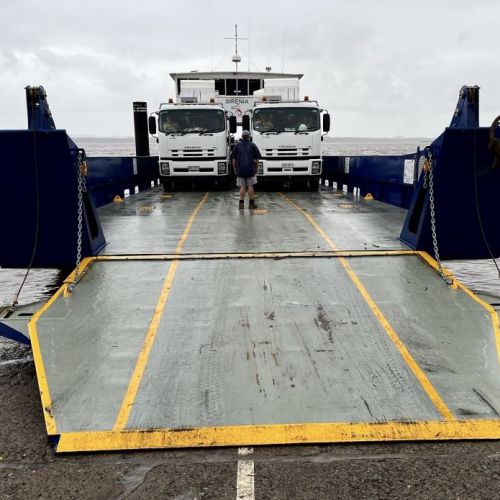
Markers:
point(185, 121)
point(286, 119)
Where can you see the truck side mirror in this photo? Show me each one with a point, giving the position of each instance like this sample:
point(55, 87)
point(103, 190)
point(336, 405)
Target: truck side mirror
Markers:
point(326, 123)
point(245, 122)
point(232, 124)
point(152, 125)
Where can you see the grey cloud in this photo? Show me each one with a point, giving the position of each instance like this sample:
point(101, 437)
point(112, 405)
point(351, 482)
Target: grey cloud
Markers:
point(381, 68)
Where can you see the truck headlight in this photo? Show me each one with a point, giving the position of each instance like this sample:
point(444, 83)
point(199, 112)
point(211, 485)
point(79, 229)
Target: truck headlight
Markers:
point(316, 167)
point(222, 167)
point(164, 168)
point(260, 168)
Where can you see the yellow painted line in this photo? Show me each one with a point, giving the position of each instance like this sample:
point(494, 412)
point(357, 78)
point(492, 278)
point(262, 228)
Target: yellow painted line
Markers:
point(252, 435)
point(312, 222)
point(135, 381)
point(389, 330)
point(41, 375)
point(493, 314)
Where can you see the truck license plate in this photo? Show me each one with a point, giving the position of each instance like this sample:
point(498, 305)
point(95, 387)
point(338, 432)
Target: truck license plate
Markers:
point(193, 168)
point(287, 165)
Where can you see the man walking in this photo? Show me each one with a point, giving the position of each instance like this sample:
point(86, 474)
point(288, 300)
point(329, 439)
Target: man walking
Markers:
point(246, 157)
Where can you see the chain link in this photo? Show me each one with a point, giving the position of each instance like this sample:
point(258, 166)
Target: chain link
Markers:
point(448, 280)
point(82, 188)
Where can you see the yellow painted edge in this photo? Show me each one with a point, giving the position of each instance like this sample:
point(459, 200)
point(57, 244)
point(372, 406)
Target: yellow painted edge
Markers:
point(307, 433)
point(82, 269)
point(493, 314)
point(48, 413)
point(389, 330)
point(142, 360)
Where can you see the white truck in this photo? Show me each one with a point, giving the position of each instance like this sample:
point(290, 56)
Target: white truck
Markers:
point(194, 136)
point(288, 133)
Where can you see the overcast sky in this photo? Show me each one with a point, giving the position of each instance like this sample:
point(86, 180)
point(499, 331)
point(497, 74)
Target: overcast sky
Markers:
point(382, 68)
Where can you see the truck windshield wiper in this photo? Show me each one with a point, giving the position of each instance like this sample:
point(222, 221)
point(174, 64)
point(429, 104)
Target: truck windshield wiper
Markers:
point(272, 131)
point(178, 133)
point(301, 131)
point(210, 131)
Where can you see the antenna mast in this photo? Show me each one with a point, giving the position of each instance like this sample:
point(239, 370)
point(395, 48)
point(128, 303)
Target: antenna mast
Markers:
point(236, 58)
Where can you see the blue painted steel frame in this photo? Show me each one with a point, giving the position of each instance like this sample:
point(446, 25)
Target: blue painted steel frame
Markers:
point(381, 176)
point(10, 333)
point(467, 203)
point(38, 194)
point(111, 176)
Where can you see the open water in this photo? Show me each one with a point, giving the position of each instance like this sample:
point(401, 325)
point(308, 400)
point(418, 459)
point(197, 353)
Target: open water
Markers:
point(479, 275)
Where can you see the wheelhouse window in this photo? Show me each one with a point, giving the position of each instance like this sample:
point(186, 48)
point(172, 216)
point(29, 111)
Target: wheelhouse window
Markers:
point(286, 119)
point(253, 85)
point(220, 86)
point(236, 87)
point(184, 121)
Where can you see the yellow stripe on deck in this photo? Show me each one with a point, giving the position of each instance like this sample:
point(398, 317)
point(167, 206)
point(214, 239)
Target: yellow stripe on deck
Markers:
point(135, 381)
point(391, 333)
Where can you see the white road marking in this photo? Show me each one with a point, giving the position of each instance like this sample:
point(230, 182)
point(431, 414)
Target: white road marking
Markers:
point(245, 451)
point(245, 480)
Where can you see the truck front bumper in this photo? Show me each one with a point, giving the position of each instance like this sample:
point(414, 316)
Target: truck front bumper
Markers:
point(193, 168)
point(290, 168)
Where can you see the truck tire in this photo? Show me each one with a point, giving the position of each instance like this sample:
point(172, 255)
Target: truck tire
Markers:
point(167, 184)
point(313, 183)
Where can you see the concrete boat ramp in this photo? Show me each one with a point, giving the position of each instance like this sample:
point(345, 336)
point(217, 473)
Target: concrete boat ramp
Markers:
point(305, 321)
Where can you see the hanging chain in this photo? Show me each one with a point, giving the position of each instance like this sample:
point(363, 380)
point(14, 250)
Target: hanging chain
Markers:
point(82, 187)
point(430, 174)
point(426, 168)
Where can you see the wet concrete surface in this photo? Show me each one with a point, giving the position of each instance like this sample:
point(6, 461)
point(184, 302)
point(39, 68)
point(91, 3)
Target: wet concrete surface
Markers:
point(29, 467)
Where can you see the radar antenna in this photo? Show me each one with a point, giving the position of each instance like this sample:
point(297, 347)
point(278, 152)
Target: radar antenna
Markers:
point(236, 57)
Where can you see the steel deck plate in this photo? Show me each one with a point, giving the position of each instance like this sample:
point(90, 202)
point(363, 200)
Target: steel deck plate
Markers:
point(316, 345)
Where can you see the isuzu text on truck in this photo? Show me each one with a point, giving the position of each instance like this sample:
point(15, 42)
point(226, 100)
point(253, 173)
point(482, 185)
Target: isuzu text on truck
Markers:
point(194, 136)
point(287, 132)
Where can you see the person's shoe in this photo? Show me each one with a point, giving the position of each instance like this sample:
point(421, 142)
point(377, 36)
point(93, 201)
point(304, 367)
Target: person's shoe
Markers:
point(252, 205)
point(241, 206)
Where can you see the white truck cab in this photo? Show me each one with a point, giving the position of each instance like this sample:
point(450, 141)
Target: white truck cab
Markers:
point(288, 133)
point(194, 136)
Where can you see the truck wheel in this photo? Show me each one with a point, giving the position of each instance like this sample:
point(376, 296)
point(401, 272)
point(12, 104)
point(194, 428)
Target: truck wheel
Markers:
point(313, 183)
point(167, 185)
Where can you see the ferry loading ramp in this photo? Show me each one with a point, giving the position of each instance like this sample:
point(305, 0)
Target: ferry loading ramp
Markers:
point(305, 321)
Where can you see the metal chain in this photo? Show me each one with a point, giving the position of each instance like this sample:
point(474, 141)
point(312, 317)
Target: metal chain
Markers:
point(82, 188)
point(426, 168)
point(433, 223)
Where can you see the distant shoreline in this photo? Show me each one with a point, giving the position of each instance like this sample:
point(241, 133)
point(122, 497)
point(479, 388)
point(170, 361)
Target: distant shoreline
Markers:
point(327, 138)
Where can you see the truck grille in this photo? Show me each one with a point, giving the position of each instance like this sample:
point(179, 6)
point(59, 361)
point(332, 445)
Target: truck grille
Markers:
point(287, 152)
point(193, 153)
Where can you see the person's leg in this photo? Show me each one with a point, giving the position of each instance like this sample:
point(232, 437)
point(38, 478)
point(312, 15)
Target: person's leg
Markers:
point(242, 192)
point(251, 193)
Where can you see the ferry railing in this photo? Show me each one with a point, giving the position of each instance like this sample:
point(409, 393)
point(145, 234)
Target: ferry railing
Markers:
point(113, 176)
point(390, 179)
